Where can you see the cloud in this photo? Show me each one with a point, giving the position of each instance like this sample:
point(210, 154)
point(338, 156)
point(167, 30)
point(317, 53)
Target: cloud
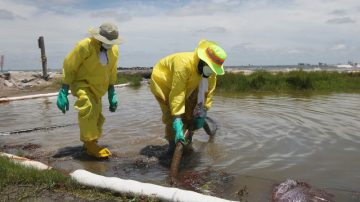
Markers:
point(6, 15)
point(64, 7)
point(339, 46)
point(342, 20)
point(11, 10)
point(120, 17)
point(205, 8)
point(252, 32)
point(56, 2)
point(247, 46)
point(293, 51)
point(338, 12)
point(212, 30)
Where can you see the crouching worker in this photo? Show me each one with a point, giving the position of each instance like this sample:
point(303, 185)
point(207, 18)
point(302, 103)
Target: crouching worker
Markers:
point(183, 84)
point(89, 71)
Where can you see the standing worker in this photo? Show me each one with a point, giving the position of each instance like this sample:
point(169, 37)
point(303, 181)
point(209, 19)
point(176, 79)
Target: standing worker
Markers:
point(90, 70)
point(183, 84)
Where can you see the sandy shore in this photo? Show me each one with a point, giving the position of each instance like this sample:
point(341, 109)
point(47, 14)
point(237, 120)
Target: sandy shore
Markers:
point(17, 83)
point(20, 83)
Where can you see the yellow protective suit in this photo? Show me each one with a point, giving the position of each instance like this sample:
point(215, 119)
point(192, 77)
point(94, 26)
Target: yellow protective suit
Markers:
point(174, 82)
point(89, 81)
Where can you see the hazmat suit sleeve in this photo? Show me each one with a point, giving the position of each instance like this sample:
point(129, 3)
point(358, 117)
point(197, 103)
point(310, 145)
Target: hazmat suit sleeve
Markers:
point(72, 62)
point(210, 93)
point(113, 73)
point(178, 91)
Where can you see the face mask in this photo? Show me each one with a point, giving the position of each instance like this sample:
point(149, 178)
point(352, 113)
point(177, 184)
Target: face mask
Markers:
point(106, 46)
point(207, 71)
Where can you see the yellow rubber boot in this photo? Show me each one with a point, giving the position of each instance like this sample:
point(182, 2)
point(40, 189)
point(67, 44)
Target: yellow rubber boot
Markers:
point(95, 150)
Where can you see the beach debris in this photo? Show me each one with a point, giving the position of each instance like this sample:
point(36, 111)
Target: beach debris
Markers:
point(24, 79)
point(28, 146)
point(145, 162)
point(8, 83)
point(5, 75)
point(243, 193)
point(295, 191)
point(208, 181)
point(28, 150)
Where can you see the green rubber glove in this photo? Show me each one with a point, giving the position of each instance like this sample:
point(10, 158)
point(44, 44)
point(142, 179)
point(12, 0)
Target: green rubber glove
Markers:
point(178, 127)
point(199, 123)
point(112, 98)
point(200, 120)
point(62, 100)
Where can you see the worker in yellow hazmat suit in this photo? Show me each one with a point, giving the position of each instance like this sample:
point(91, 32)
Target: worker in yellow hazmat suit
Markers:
point(183, 84)
point(90, 70)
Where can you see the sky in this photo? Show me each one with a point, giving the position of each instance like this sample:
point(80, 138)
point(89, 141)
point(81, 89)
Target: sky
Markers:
point(252, 32)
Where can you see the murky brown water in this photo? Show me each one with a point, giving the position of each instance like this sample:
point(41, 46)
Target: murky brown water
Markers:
point(262, 140)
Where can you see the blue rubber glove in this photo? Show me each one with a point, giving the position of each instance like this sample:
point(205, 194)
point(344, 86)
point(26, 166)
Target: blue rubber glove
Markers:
point(62, 100)
point(112, 98)
point(199, 120)
point(178, 127)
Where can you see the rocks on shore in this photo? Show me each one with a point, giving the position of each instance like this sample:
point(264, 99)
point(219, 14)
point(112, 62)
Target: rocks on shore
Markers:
point(22, 79)
point(145, 72)
point(18, 83)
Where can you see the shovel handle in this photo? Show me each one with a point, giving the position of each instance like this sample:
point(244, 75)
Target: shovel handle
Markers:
point(175, 162)
point(179, 148)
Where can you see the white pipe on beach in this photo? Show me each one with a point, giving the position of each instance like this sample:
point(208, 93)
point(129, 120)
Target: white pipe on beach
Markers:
point(130, 186)
point(26, 162)
point(9, 99)
point(123, 186)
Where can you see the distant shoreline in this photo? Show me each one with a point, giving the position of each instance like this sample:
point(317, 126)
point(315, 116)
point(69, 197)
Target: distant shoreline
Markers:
point(230, 68)
point(18, 83)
